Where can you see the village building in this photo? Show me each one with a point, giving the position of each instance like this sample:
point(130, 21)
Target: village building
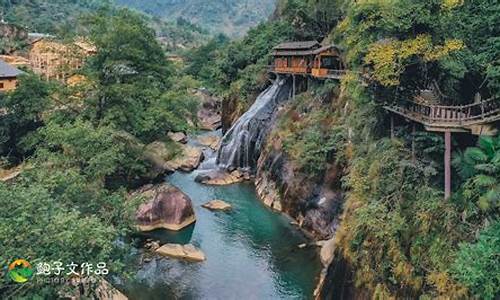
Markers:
point(54, 60)
point(307, 58)
point(8, 76)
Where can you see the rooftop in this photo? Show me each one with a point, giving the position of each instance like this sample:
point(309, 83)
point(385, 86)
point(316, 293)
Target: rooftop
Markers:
point(7, 70)
point(304, 45)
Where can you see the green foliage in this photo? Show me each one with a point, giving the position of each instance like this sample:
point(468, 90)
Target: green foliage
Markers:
point(131, 84)
point(398, 232)
point(41, 16)
point(477, 264)
point(24, 107)
point(480, 167)
point(232, 18)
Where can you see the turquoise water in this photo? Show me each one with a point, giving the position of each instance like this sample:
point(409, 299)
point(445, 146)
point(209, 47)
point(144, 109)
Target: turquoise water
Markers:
point(251, 252)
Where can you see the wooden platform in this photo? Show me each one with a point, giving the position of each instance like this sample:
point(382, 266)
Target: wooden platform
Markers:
point(315, 73)
point(474, 118)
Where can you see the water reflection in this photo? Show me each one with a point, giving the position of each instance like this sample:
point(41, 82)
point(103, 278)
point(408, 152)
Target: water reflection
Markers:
point(251, 252)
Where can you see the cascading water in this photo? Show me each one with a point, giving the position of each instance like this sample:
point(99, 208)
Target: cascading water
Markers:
point(240, 147)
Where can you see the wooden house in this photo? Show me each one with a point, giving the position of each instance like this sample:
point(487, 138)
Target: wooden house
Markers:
point(8, 76)
point(307, 58)
point(53, 60)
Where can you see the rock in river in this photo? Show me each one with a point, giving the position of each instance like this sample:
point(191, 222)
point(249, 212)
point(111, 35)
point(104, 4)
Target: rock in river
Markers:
point(188, 252)
point(217, 205)
point(179, 137)
point(189, 160)
point(221, 177)
point(210, 141)
point(167, 207)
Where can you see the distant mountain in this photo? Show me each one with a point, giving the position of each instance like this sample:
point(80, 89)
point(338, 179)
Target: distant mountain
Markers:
point(46, 16)
point(231, 17)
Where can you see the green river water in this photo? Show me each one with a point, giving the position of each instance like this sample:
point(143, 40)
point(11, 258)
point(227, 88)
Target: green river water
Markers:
point(251, 252)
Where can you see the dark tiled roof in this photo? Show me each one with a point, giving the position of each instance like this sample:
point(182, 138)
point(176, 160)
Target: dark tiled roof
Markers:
point(307, 45)
point(315, 51)
point(7, 70)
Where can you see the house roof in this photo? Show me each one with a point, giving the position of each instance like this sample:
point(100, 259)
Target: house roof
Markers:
point(304, 45)
point(304, 52)
point(7, 70)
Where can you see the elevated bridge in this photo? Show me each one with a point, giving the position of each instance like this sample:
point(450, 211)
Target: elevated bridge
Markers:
point(475, 118)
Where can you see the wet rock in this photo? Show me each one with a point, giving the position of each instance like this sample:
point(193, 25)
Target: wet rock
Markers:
point(167, 207)
point(153, 245)
point(210, 141)
point(217, 205)
point(188, 252)
point(209, 113)
point(327, 251)
point(220, 177)
point(268, 193)
point(105, 291)
point(178, 137)
point(158, 154)
point(189, 160)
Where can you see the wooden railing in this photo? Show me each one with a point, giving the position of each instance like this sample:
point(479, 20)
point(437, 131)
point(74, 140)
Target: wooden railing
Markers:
point(487, 110)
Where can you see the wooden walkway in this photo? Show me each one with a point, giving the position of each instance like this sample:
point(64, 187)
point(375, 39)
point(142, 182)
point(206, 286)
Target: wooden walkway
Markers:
point(324, 74)
point(472, 118)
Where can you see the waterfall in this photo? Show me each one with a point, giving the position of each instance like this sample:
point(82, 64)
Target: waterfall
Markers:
point(241, 145)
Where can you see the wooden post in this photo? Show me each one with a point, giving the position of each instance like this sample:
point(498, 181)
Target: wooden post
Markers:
point(413, 131)
point(392, 126)
point(447, 165)
point(293, 88)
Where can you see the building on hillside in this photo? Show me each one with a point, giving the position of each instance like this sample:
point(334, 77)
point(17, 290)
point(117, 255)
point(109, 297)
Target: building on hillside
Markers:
point(8, 76)
point(307, 58)
point(54, 60)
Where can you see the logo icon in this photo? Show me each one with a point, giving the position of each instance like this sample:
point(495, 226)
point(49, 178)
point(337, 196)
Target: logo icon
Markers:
point(20, 271)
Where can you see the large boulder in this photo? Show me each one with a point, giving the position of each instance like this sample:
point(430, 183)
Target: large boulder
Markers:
point(167, 207)
point(179, 137)
point(188, 252)
point(169, 158)
point(189, 160)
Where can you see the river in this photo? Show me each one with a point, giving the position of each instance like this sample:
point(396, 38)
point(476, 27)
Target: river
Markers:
point(252, 252)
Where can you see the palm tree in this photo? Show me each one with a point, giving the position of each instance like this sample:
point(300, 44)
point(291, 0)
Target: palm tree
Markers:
point(480, 168)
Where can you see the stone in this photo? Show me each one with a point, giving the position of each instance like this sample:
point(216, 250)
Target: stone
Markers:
point(326, 253)
point(209, 114)
point(219, 177)
point(210, 141)
point(179, 137)
point(217, 205)
point(188, 252)
point(167, 207)
point(189, 160)
point(105, 291)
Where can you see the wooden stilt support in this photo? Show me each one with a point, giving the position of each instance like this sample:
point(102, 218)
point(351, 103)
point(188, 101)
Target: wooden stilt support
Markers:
point(293, 88)
point(392, 126)
point(447, 165)
point(413, 132)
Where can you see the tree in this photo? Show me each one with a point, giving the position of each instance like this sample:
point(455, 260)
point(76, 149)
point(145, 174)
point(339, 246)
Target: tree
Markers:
point(23, 108)
point(480, 168)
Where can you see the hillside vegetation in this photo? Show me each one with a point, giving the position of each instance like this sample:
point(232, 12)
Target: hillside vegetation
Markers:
point(398, 234)
point(231, 17)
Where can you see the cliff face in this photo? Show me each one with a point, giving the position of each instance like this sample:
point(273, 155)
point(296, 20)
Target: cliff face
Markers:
point(313, 202)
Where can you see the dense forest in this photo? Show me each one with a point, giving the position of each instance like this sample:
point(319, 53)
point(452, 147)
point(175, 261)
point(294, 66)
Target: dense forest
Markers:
point(82, 146)
point(232, 18)
point(398, 234)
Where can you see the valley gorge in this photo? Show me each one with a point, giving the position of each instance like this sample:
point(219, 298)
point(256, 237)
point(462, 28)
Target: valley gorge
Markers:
point(278, 149)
